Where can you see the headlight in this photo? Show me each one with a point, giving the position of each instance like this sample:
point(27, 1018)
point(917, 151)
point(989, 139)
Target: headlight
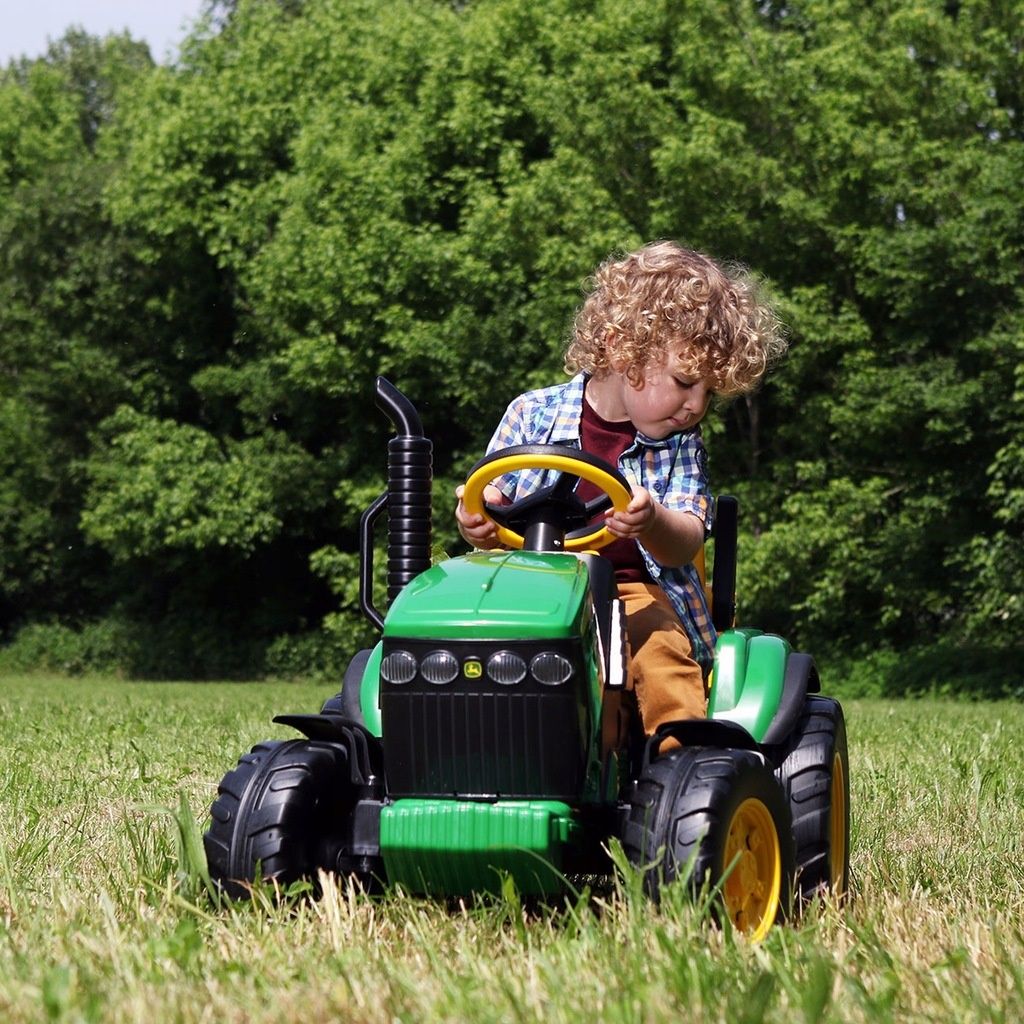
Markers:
point(551, 669)
point(439, 667)
point(398, 667)
point(506, 668)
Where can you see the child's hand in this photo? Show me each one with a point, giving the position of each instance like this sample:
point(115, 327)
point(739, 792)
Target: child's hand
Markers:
point(477, 530)
point(637, 518)
point(670, 536)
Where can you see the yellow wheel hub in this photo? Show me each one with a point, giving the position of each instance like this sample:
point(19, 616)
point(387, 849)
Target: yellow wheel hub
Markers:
point(753, 861)
point(838, 827)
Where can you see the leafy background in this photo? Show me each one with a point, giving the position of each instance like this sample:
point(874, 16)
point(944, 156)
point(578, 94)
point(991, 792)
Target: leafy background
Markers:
point(203, 266)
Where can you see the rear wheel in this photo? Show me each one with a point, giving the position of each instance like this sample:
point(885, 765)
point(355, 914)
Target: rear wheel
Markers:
point(724, 811)
point(278, 814)
point(815, 773)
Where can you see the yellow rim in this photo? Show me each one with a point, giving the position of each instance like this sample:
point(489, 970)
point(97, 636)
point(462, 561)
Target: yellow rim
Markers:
point(838, 829)
point(753, 859)
point(473, 495)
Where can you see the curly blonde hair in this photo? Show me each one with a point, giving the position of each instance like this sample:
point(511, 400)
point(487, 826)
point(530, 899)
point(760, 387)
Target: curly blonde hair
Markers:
point(665, 296)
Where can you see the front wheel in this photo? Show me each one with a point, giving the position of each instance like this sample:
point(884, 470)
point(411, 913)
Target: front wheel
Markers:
point(723, 814)
point(278, 814)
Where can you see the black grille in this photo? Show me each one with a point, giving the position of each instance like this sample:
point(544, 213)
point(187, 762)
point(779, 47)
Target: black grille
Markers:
point(476, 738)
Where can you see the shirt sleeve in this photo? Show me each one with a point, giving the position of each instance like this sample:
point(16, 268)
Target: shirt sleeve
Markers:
point(687, 488)
point(511, 431)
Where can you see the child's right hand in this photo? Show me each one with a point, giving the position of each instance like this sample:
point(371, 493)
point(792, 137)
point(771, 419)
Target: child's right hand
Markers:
point(476, 529)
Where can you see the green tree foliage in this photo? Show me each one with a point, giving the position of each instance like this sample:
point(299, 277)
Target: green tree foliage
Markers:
point(161, 486)
point(206, 265)
point(995, 560)
point(64, 289)
point(89, 319)
point(904, 153)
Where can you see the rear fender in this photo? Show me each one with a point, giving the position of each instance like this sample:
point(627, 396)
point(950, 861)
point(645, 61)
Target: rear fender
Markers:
point(801, 679)
point(363, 750)
point(760, 684)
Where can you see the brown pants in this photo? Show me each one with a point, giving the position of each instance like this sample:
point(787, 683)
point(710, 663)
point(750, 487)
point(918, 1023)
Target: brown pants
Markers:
point(667, 682)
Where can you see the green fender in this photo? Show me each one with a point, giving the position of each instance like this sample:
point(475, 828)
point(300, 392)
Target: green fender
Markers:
point(749, 673)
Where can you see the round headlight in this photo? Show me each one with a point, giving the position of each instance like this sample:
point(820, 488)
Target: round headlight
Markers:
point(398, 667)
point(551, 669)
point(439, 667)
point(506, 668)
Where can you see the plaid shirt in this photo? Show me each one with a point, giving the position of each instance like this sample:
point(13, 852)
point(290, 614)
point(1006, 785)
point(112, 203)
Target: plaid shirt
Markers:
point(674, 470)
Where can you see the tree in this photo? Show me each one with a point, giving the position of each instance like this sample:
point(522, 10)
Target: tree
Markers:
point(87, 321)
point(323, 191)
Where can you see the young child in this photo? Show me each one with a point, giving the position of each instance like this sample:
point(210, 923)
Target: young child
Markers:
point(662, 331)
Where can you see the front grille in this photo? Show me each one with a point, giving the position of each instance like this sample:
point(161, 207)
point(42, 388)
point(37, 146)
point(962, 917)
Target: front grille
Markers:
point(475, 738)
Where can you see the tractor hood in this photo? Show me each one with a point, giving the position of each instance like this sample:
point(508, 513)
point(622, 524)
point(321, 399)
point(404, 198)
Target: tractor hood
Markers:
point(506, 595)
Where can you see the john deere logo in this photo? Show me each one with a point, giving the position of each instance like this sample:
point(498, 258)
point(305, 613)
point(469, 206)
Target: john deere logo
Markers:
point(472, 670)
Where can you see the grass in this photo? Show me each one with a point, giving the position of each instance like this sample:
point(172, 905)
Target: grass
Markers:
point(103, 915)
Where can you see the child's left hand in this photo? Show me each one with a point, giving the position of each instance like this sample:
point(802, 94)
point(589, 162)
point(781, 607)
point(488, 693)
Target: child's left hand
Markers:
point(671, 537)
point(637, 518)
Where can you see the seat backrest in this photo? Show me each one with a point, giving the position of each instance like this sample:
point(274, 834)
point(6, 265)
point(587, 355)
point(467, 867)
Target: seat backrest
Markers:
point(720, 591)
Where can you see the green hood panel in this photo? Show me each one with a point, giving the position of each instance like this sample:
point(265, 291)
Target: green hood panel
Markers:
point(503, 595)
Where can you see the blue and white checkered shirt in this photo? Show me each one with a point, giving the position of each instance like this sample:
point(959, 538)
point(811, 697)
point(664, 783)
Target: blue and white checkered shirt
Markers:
point(674, 470)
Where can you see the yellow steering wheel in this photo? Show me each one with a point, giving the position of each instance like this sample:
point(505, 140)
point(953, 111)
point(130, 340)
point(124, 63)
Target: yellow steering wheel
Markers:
point(552, 517)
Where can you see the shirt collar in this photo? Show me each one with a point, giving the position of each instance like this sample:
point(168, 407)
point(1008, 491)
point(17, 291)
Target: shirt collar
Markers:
point(567, 424)
point(566, 427)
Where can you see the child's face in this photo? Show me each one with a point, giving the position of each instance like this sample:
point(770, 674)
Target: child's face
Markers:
point(670, 399)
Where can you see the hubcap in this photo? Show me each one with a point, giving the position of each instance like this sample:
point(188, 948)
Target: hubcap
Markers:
point(838, 827)
point(754, 863)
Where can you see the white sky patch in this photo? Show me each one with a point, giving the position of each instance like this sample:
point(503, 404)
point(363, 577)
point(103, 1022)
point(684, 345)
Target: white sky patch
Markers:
point(27, 26)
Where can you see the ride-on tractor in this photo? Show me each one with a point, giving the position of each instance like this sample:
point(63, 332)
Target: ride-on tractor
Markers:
point(472, 743)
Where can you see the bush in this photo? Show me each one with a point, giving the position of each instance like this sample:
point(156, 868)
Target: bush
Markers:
point(102, 647)
point(176, 648)
point(944, 669)
point(316, 655)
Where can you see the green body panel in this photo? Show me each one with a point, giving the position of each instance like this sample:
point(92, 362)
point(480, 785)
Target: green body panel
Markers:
point(509, 595)
point(492, 598)
point(452, 848)
point(369, 692)
point(750, 668)
point(730, 670)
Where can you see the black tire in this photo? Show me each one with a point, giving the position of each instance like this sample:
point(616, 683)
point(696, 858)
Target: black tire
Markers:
point(276, 814)
point(347, 701)
point(815, 774)
point(697, 804)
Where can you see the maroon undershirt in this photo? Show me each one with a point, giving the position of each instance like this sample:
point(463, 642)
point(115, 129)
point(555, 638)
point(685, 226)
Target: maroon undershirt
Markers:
point(608, 441)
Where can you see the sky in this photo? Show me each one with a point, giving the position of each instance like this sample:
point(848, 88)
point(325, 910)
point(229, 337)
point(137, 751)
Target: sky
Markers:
point(27, 25)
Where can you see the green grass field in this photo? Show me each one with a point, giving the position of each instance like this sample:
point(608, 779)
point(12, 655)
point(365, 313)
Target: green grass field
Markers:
point(101, 918)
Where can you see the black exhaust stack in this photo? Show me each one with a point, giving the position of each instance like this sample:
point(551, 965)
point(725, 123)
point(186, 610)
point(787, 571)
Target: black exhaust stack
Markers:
point(407, 499)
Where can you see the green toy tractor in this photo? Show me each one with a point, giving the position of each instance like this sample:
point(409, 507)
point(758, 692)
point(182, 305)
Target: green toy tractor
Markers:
point(471, 744)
